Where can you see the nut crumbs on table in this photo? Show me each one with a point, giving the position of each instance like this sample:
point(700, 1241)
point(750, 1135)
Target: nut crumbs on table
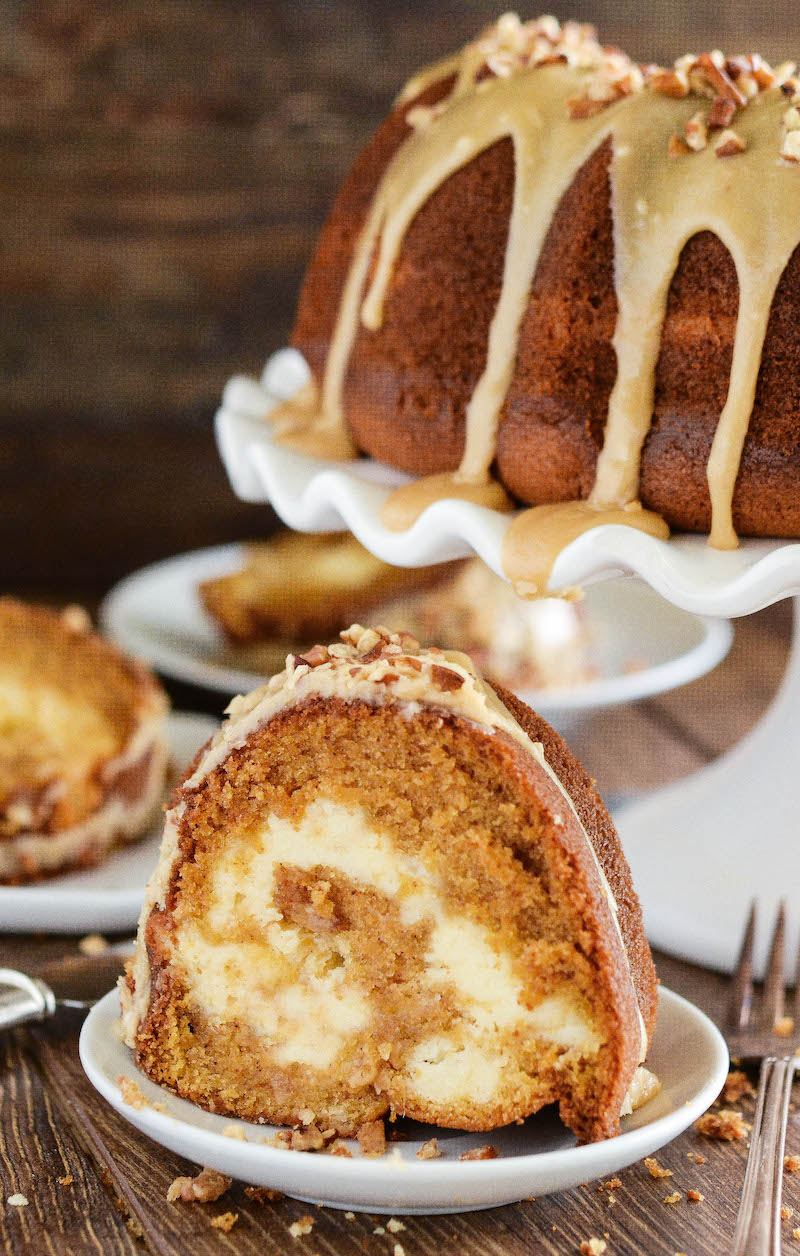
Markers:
point(207, 1186)
point(593, 1247)
point(302, 1227)
point(791, 1163)
point(429, 1150)
point(225, 1221)
point(655, 1169)
point(737, 1084)
point(727, 1125)
point(673, 1198)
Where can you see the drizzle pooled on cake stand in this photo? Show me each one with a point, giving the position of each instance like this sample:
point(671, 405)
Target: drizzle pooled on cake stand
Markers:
point(557, 110)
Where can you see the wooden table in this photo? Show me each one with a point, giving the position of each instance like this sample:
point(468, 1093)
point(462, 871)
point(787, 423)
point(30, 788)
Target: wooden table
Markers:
point(94, 1185)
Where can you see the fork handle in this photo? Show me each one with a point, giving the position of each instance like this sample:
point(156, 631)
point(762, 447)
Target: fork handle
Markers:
point(758, 1224)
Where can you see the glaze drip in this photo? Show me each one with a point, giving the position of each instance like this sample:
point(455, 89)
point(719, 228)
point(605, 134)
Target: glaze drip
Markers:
point(557, 113)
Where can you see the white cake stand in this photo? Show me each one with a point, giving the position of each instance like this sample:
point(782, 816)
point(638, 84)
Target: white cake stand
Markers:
point(700, 849)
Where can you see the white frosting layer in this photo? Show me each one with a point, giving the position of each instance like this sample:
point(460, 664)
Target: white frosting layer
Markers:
point(375, 668)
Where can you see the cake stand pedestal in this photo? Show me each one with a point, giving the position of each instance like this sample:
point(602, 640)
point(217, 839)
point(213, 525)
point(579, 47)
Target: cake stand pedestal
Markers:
point(700, 850)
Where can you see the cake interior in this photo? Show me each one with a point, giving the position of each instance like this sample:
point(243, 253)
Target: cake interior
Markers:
point(66, 707)
point(369, 917)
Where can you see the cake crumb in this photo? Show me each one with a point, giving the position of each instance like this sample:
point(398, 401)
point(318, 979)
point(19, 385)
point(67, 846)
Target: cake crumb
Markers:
point(737, 1084)
point(796, 1232)
point(66, 1180)
point(349, 1216)
point(17, 1201)
point(784, 1026)
point(697, 1157)
point(134, 1227)
point(372, 1138)
point(235, 1131)
point(593, 1247)
point(791, 1163)
point(379, 1229)
point(394, 1226)
point(263, 1194)
point(93, 944)
point(398, 1250)
point(299, 1228)
point(727, 1124)
point(225, 1221)
point(429, 1150)
point(307, 1138)
point(786, 1212)
point(132, 1095)
point(281, 1139)
point(655, 1170)
point(487, 1152)
point(673, 1198)
point(696, 1197)
point(338, 1148)
point(207, 1186)
point(614, 1184)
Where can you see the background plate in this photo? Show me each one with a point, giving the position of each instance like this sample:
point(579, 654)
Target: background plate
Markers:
point(108, 897)
point(643, 645)
point(687, 1053)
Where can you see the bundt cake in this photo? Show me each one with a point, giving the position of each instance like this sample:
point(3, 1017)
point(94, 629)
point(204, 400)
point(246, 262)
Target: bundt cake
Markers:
point(557, 277)
point(387, 888)
point(82, 751)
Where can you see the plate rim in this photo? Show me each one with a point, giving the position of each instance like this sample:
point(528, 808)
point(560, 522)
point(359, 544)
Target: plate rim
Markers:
point(714, 642)
point(500, 1172)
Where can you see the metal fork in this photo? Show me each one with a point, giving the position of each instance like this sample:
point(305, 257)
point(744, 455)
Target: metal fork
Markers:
point(753, 1037)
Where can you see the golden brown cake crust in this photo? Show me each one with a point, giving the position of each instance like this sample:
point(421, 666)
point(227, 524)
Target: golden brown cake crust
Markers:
point(408, 383)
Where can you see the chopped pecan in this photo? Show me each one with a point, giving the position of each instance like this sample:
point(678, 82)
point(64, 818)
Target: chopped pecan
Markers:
point(445, 679)
point(722, 82)
point(729, 144)
point(696, 132)
point(677, 147)
point(721, 113)
point(315, 657)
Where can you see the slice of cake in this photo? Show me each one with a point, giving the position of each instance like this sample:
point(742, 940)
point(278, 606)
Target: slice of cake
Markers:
point(299, 586)
point(82, 749)
point(385, 887)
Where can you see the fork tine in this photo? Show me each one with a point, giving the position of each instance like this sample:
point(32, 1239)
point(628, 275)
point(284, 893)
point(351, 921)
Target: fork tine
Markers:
point(741, 998)
point(772, 1004)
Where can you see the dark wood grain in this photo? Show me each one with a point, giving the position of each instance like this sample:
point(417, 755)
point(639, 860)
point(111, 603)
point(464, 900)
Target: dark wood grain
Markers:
point(37, 1147)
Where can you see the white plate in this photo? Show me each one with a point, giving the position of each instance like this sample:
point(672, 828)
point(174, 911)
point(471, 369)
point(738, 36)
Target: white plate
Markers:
point(156, 614)
point(108, 897)
point(315, 496)
point(687, 1053)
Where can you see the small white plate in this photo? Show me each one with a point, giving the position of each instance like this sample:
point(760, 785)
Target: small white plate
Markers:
point(642, 645)
point(108, 897)
point(687, 1053)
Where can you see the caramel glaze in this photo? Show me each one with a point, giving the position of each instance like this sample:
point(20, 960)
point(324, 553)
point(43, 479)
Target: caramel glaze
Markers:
point(657, 205)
